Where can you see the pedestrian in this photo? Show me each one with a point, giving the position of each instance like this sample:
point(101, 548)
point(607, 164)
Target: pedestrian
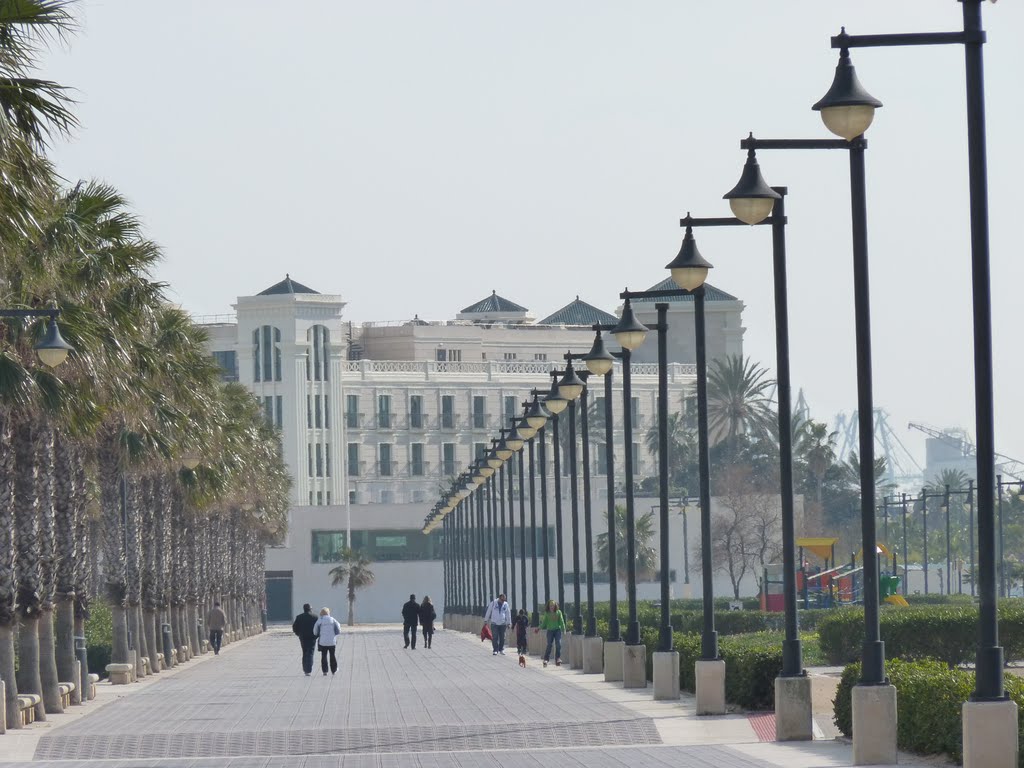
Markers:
point(410, 618)
point(554, 622)
point(326, 631)
point(427, 616)
point(303, 627)
point(522, 624)
point(216, 623)
point(500, 616)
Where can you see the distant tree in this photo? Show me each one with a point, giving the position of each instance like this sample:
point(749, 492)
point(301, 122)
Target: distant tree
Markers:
point(646, 555)
point(738, 400)
point(353, 572)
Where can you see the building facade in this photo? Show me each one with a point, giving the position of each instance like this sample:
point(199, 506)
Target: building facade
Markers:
point(381, 415)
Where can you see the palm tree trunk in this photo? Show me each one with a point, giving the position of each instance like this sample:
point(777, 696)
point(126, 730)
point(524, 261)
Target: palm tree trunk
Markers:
point(64, 639)
point(7, 674)
point(150, 621)
point(112, 536)
point(69, 559)
point(28, 661)
point(48, 665)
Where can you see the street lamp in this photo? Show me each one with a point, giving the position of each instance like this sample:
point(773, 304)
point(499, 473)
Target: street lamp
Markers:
point(51, 350)
point(570, 387)
point(555, 404)
point(989, 697)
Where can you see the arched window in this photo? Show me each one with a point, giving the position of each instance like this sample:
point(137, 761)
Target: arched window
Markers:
point(318, 359)
point(266, 353)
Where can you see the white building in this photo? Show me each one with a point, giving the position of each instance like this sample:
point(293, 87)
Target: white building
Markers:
point(375, 418)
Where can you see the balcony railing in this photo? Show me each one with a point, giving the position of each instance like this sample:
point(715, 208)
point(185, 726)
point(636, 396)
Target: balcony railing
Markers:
point(486, 369)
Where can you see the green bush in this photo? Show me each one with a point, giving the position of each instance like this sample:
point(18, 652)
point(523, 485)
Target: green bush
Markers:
point(945, 632)
point(99, 637)
point(929, 701)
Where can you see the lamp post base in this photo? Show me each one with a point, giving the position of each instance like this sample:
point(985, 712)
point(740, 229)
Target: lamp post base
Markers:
point(710, 677)
point(666, 675)
point(593, 655)
point(874, 724)
point(613, 651)
point(576, 651)
point(990, 734)
point(634, 666)
point(535, 641)
point(794, 720)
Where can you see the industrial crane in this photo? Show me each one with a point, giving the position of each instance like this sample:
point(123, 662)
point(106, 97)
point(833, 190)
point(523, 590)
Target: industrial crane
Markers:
point(960, 440)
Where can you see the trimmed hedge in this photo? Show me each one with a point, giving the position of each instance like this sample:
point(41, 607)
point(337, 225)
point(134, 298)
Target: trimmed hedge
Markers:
point(929, 701)
point(947, 633)
point(99, 637)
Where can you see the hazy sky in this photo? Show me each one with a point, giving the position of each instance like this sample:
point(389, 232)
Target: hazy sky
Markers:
point(412, 156)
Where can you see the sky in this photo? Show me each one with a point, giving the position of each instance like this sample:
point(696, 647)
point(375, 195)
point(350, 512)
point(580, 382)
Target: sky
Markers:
point(413, 155)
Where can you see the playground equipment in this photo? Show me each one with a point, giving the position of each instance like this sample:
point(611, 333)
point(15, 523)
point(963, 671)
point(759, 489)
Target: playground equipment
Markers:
point(828, 585)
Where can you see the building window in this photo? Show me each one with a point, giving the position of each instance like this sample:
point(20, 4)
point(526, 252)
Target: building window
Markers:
point(441, 356)
point(454, 355)
point(479, 450)
point(542, 356)
point(319, 460)
point(318, 414)
point(353, 459)
point(319, 354)
point(416, 459)
point(448, 459)
point(479, 412)
point(327, 412)
point(319, 498)
point(511, 407)
point(279, 411)
point(448, 412)
point(328, 496)
point(510, 356)
point(602, 460)
point(351, 497)
point(327, 546)
point(309, 411)
point(327, 464)
point(385, 459)
point(309, 460)
point(228, 364)
point(416, 412)
point(384, 411)
point(352, 411)
point(634, 410)
point(266, 355)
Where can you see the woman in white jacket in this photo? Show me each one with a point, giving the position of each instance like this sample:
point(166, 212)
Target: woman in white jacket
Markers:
point(326, 631)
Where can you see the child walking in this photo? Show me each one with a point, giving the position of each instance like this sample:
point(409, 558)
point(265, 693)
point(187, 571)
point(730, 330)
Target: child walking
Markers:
point(522, 624)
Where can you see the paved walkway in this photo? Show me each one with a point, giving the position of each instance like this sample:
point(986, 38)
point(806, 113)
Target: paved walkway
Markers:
point(451, 706)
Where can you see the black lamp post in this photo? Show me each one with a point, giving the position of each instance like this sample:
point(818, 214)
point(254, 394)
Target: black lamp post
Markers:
point(545, 554)
point(495, 456)
point(630, 334)
point(536, 418)
point(601, 362)
point(989, 662)
point(555, 404)
point(689, 270)
point(522, 518)
point(570, 387)
point(528, 430)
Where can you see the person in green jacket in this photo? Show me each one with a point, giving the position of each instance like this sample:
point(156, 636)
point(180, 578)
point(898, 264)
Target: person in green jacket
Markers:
point(553, 621)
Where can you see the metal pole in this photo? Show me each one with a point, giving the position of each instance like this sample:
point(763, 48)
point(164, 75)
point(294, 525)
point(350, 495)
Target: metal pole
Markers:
point(999, 496)
point(906, 573)
point(512, 530)
point(949, 547)
point(485, 599)
point(885, 517)
point(522, 527)
point(577, 613)
point(989, 663)
point(709, 637)
point(535, 617)
point(970, 509)
point(492, 503)
point(590, 628)
point(633, 627)
point(542, 456)
point(490, 543)
point(504, 529)
point(792, 661)
point(614, 630)
point(873, 658)
point(556, 456)
point(924, 524)
point(686, 549)
point(665, 633)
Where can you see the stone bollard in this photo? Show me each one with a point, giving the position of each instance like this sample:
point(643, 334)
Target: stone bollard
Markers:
point(165, 630)
point(613, 661)
point(576, 659)
point(710, 684)
point(76, 695)
point(83, 666)
point(634, 666)
point(593, 656)
point(666, 676)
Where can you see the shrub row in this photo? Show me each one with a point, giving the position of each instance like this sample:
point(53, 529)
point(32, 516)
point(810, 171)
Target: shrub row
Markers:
point(99, 637)
point(929, 701)
point(946, 633)
point(726, 622)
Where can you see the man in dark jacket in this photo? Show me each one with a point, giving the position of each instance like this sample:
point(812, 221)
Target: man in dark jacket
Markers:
point(410, 618)
point(303, 627)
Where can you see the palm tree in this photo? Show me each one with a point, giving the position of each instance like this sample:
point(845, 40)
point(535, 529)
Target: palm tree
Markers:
point(646, 555)
point(738, 399)
point(354, 572)
point(682, 447)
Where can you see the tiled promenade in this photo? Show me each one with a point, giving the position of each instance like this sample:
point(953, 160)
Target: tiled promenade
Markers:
point(452, 706)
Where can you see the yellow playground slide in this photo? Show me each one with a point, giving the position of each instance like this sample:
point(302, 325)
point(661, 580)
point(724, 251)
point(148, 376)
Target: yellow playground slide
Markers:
point(897, 600)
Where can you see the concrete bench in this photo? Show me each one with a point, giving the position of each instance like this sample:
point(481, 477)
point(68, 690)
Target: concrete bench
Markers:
point(65, 693)
point(120, 674)
point(93, 679)
point(27, 703)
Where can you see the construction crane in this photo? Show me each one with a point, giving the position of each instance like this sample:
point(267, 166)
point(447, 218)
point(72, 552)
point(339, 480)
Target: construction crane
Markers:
point(961, 440)
point(901, 468)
